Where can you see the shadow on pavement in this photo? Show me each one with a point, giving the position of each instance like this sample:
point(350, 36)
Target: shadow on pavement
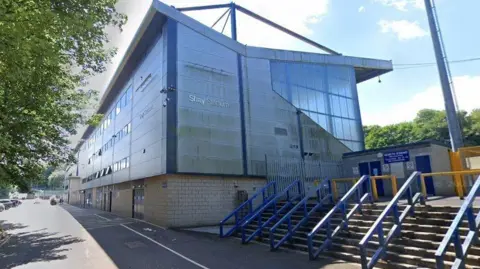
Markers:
point(36, 246)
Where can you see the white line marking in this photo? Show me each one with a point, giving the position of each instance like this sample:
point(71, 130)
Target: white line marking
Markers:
point(107, 226)
point(163, 228)
point(102, 217)
point(165, 247)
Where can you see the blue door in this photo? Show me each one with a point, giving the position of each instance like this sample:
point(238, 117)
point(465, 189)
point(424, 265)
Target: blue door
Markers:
point(423, 165)
point(364, 170)
point(376, 170)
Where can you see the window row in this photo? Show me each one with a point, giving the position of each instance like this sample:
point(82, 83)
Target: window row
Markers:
point(123, 102)
point(317, 101)
point(343, 129)
point(115, 139)
point(334, 79)
point(122, 164)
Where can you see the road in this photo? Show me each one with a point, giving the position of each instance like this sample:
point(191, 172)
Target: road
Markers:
point(59, 237)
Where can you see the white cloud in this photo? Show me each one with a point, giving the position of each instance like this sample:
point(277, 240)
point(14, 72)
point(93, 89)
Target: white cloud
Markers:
point(403, 29)
point(361, 9)
point(467, 90)
point(402, 5)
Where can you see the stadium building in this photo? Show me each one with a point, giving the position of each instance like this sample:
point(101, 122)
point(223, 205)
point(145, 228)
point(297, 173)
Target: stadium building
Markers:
point(191, 116)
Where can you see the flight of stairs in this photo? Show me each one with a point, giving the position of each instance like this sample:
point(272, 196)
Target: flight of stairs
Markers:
point(421, 236)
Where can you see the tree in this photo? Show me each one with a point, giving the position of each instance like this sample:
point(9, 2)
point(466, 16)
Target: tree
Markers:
point(429, 124)
point(48, 49)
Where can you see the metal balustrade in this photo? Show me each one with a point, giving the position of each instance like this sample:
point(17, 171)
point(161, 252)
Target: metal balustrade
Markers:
point(267, 193)
point(323, 196)
point(453, 236)
point(342, 207)
point(392, 208)
point(286, 194)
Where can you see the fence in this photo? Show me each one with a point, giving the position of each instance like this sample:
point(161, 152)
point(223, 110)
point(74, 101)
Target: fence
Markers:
point(310, 172)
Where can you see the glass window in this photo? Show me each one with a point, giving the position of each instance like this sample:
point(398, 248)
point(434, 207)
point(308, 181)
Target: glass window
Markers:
point(351, 109)
point(323, 121)
point(321, 104)
point(355, 131)
point(118, 108)
point(346, 129)
point(125, 130)
point(343, 107)
point(312, 102)
point(129, 94)
point(295, 100)
point(124, 100)
point(335, 105)
point(302, 98)
point(338, 127)
point(128, 162)
point(129, 128)
point(123, 164)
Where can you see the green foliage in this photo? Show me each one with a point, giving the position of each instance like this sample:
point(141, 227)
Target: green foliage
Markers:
point(428, 125)
point(48, 49)
point(95, 120)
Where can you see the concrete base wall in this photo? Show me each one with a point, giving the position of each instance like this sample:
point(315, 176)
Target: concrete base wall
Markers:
point(205, 200)
point(122, 200)
point(182, 200)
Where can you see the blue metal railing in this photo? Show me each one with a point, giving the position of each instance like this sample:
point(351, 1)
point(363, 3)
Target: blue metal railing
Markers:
point(321, 199)
point(398, 218)
point(340, 206)
point(461, 249)
point(267, 195)
point(272, 205)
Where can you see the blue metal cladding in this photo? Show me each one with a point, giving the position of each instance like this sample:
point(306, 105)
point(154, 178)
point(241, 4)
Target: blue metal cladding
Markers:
point(326, 93)
point(172, 123)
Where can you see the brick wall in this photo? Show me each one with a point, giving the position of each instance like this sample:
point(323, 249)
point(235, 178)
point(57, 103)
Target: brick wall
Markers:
point(205, 200)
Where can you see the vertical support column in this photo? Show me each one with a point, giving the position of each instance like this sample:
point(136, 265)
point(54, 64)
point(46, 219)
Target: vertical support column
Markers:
point(300, 134)
point(233, 20)
point(171, 83)
point(450, 110)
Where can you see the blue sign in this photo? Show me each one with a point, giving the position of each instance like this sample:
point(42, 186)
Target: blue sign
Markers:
point(396, 157)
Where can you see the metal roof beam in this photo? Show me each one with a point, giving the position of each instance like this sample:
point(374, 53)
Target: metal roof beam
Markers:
point(203, 7)
point(285, 30)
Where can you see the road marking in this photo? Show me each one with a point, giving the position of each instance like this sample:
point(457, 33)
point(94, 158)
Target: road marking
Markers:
point(163, 228)
point(107, 226)
point(165, 247)
point(102, 217)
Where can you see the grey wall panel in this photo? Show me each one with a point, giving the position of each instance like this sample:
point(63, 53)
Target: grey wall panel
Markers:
point(209, 139)
point(120, 176)
point(148, 115)
point(265, 113)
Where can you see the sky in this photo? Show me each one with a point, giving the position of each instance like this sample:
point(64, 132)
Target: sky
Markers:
point(395, 30)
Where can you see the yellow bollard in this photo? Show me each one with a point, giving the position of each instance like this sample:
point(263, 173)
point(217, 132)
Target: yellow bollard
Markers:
point(374, 188)
point(424, 188)
point(335, 191)
point(394, 185)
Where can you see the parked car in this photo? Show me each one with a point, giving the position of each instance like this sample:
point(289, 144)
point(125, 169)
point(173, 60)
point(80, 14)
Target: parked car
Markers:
point(16, 202)
point(7, 203)
point(2, 207)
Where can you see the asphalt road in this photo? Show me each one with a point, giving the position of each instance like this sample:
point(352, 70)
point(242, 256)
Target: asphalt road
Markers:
point(59, 237)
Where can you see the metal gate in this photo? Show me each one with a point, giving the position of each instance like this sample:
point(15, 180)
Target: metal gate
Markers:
point(138, 203)
point(310, 172)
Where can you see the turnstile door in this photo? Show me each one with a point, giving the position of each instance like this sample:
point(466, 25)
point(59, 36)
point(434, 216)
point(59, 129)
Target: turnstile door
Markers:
point(138, 203)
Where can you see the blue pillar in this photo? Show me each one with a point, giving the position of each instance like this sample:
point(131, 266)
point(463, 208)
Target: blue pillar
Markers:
point(233, 20)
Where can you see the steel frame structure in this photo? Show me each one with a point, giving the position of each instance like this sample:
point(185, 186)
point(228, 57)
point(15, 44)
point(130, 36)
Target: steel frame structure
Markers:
point(233, 20)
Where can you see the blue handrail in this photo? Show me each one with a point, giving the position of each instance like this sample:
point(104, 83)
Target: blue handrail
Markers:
point(272, 204)
point(398, 218)
point(341, 205)
point(321, 200)
point(266, 197)
point(461, 249)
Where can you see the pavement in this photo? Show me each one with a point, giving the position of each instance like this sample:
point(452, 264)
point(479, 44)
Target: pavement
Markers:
point(65, 236)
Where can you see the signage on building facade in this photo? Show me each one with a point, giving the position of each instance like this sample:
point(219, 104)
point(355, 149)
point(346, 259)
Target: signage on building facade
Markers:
point(208, 101)
point(396, 157)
